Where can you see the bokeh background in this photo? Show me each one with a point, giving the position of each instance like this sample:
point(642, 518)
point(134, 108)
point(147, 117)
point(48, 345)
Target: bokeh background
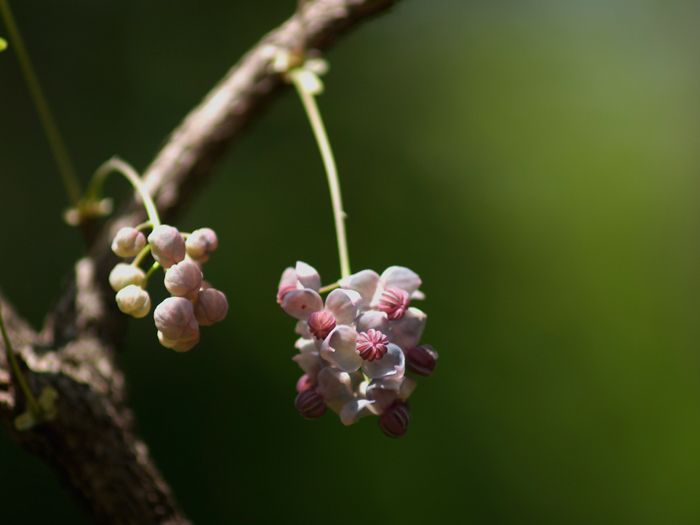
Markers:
point(535, 161)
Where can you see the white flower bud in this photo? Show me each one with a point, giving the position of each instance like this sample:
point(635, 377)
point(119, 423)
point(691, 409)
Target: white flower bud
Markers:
point(175, 318)
point(122, 275)
point(128, 242)
point(211, 307)
point(134, 300)
point(200, 243)
point(167, 245)
point(179, 345)
point(184, 279)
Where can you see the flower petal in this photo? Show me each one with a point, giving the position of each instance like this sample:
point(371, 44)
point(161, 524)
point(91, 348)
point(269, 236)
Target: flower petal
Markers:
point(300, 304)
point(401, 277)
point(406, 332)
point(393, 364)
point(384, 391)
point(310, 363)
point(302, 328)
point(308, 276)
point(408, 385)
point(305, 345)
point(334, 387)
point(339, 349)
point(343, 305)
point(373, 319)
point(417, 295)
point(353, 410)
point(364, 282)
point(289, 277)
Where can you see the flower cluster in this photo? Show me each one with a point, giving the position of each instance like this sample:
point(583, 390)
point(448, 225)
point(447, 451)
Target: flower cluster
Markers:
point(354, 348)
point(194, 302)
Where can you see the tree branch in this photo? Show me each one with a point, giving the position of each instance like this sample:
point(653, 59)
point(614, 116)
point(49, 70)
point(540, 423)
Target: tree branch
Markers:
point(91, 443)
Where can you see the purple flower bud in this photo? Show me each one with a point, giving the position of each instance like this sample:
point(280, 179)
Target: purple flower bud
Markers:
point(394, 422)
point(179, 345)
point(184, 279)
point(134, 300)
point(310, 404)
point(122, 275)
point(175, 318)
point(211, 307)
point(167, 245)
point(394, 302)
point(372, 344)
point(128, 242)
point(304, 383)
point(200, 243)
point(321, 324)
point(422, 360)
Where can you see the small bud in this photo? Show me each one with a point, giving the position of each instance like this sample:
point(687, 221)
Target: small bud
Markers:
point(200, 243)
point(310, 404)
point(321, 324)
point(394, 302)
point(422, 360)
point(175, 318)
point(128, 242)
point(304, 383)
point(134, 300)
point(394, 422)
point(184, 279)
point(122, 275)
point(167, 245)
point(211, 307)
point(179, 345)
point(372, 344)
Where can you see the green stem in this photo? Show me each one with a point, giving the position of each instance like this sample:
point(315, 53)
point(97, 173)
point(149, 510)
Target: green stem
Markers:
point(329, 288)
point(33, 405)
point(58, 149)
point(139, 257)
point(118, 165)
point(324, 146)
point(148, 274)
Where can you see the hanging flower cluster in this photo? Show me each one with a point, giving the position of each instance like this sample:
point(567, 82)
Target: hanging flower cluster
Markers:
point(354, 348)
point(194, 302)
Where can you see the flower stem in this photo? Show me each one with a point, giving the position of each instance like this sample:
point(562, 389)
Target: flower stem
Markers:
point(33, 405)
point(58, 149)
point(329, 288)
point(324, 146)
point(148, 274)
point(118, 165)
point(139, 256)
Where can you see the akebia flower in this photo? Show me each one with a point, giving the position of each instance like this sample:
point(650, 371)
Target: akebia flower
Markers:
point(194, 303)
point(356, 346)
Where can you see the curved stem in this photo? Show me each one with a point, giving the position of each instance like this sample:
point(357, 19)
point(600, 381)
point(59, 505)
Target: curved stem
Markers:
point(33, 405)
point(58, 149)
point(118, 165)
point(139, 256)
point(324, 146)
point(150, 271)
point(329, 288)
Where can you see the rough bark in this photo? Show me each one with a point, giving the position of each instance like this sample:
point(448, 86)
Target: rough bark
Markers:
point(91, 443)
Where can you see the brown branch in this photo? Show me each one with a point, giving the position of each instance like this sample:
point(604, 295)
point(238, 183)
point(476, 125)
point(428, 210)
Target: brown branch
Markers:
point(91, 443)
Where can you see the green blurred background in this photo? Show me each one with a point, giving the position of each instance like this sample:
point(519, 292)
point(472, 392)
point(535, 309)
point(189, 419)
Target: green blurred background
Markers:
point(535, 161)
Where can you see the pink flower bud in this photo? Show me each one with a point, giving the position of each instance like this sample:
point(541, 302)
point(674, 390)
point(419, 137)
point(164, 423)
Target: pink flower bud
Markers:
point(394, 422)
point(133, 300)
point(310, 404)
point(321, 324)
point(371, 344)
point(122, 275)
point(304, 383)
point(184, 279)
point(128, 242)
point(422, 360)
point(167, 245)
point(284, 290)
point(175, 318)
point(200, 243)
point(179, 345)
point(394, 302)
point(211, 307)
